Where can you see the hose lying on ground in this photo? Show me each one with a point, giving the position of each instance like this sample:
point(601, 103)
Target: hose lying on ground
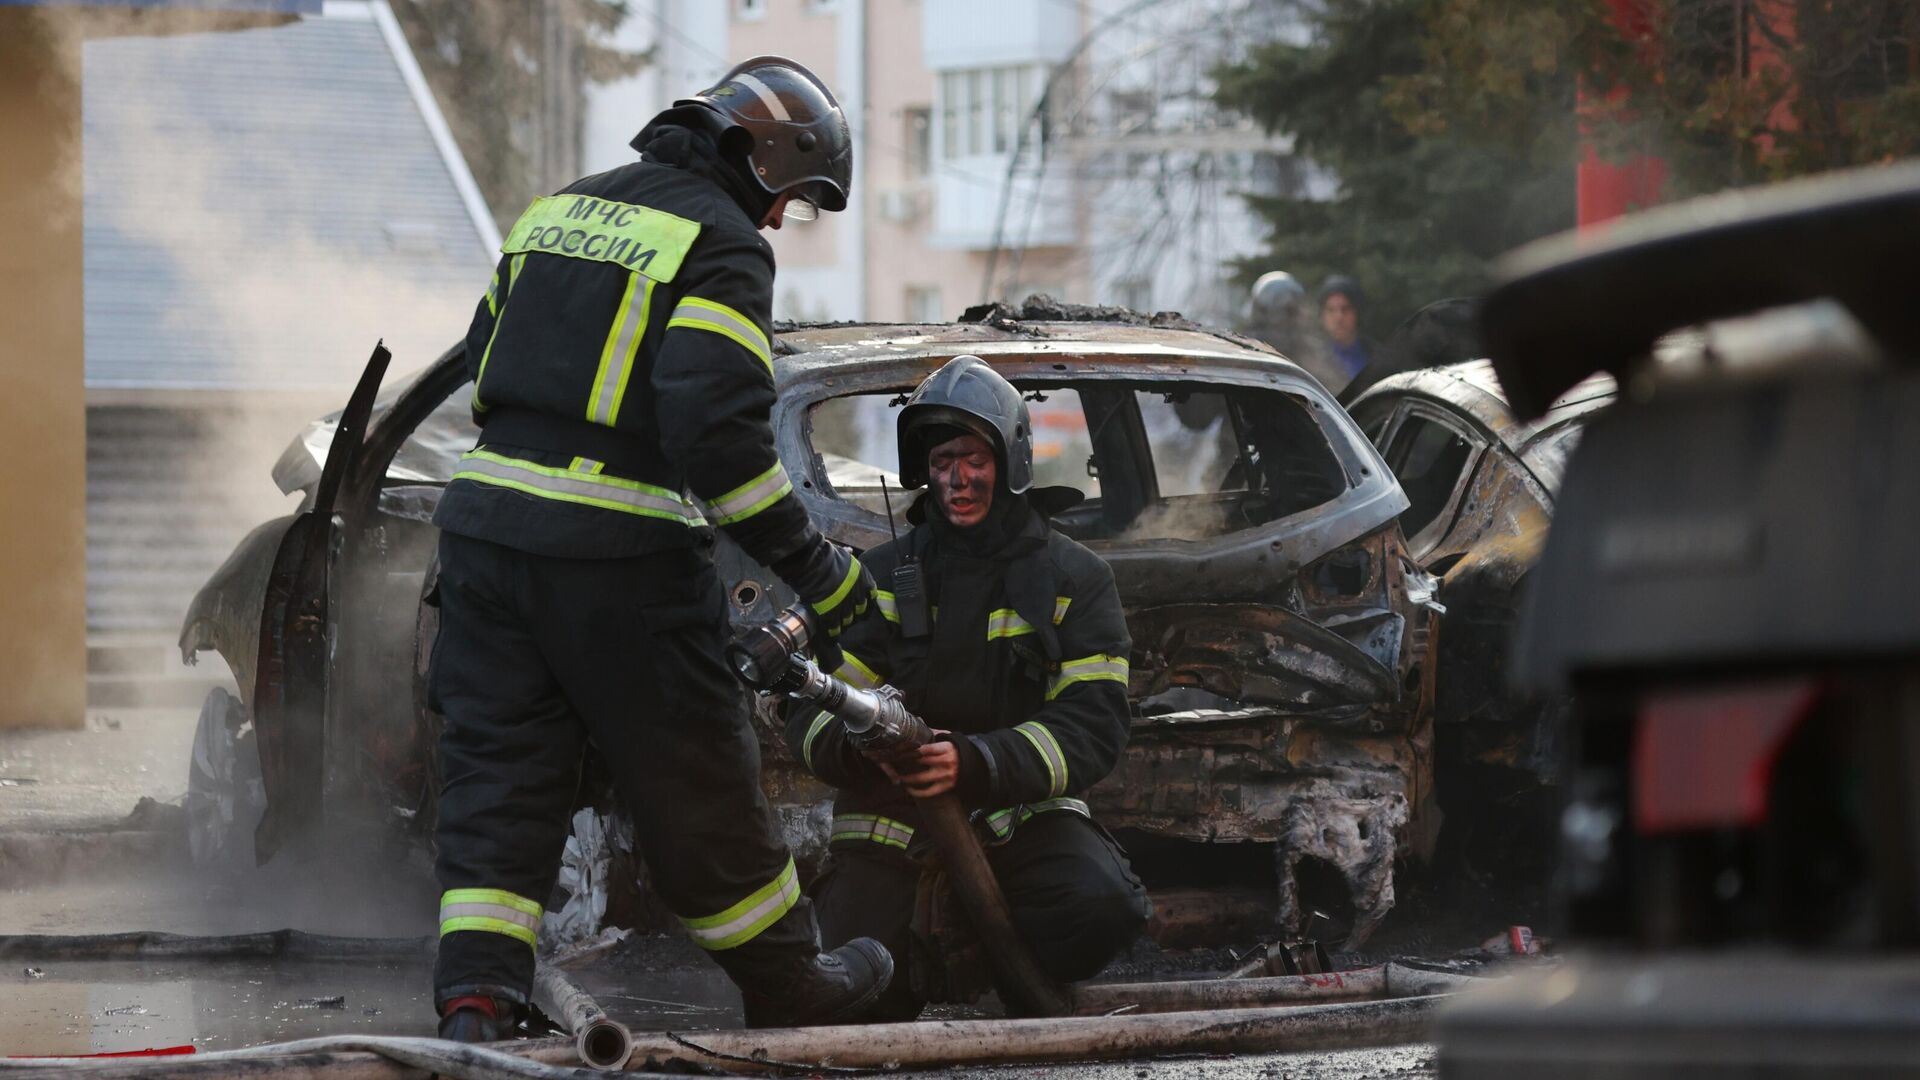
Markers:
point(602, 1042)
point(315, 1058)
point(149, 945)
point(849, 1048)
point(1363, 984)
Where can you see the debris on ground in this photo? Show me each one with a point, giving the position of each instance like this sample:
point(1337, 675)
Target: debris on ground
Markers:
point(337, 1001)
point(1517, 941)
point(34, 972)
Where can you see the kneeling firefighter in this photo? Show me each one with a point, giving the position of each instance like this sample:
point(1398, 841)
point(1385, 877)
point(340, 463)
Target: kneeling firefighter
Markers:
point(1009, 636)
point(620, 361)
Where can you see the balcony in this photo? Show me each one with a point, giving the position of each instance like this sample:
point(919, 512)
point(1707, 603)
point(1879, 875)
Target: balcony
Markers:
point(988, 33)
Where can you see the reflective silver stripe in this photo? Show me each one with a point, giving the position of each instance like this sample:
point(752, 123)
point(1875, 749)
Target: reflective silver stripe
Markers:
point(813, 732)
point(752, 497)
point(703, 314)
point(489, 911)
point(1050, 753)
point(1006, 622)
point(616, 358)
point(746, 920)
point(1002, 822)
point(609, 492)
point(855, 672)
point(1060, 606)
point(766, 95)
point(880, 830)
point(1087, 669)
point(888, 604)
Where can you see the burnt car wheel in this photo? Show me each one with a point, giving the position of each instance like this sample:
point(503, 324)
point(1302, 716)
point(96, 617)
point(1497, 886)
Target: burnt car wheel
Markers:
point(225, 794)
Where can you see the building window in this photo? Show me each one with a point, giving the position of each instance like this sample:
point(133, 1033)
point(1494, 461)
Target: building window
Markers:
point(923, 304)
point(982, 110)
point(750, 9)
point(918, 122)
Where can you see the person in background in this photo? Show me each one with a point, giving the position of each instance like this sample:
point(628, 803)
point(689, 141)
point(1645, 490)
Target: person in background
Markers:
point(1280, 313)
point(1340, 304)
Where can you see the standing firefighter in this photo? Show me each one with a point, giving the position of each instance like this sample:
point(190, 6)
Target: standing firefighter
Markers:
point(620, 360)
point(1014, 643)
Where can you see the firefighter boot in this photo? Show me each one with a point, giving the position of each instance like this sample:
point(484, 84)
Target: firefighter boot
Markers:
point(471, 1020)
point(835, 987)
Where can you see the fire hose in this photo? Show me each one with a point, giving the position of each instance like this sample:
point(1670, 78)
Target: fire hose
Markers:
point(602, 1042)
point(772, 659)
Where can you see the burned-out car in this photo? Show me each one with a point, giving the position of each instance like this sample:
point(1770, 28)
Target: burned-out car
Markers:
point(1282, 634)
point(1480, 485)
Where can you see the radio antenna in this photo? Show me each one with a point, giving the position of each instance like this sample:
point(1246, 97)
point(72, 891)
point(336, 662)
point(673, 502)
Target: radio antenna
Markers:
point(892, 529)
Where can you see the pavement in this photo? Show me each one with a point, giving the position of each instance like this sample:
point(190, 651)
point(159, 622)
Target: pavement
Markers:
point(91, 779)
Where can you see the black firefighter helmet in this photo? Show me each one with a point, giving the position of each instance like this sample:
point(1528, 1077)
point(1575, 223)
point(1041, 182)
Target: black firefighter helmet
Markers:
point(800, 139)
point(967, 394)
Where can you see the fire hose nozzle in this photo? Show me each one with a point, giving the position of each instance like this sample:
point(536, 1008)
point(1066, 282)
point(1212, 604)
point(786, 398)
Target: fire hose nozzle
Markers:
point(763, 656)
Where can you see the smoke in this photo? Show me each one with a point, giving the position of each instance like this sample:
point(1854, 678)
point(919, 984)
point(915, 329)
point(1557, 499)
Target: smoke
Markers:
point(235, 290)
point(278, 268)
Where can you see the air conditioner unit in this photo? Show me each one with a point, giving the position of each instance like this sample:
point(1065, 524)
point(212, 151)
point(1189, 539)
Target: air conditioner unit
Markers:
point(902, 205)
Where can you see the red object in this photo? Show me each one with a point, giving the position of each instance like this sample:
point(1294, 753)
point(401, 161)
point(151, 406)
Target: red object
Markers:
point(1603, 190)
point(1520, 938)
point(164, 1051)
point(1704, 759)
point(473, 1001)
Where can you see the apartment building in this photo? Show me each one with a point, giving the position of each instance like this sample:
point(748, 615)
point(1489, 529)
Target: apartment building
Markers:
point(1125, 189)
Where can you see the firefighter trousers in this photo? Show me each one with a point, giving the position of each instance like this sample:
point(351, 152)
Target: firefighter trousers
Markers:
point(540, 660)
point(1074, 899)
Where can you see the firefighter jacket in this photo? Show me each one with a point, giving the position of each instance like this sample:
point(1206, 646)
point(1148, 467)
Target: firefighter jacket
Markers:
point(623, 371)
point(1026, 664)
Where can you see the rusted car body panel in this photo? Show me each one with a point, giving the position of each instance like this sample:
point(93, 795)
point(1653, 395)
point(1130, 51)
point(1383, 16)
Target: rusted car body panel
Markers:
point(1497, 749)
point(1282, 671)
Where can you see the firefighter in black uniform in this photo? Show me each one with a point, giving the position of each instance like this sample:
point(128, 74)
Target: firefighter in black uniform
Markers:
point(1016, 647)
point(622, 370)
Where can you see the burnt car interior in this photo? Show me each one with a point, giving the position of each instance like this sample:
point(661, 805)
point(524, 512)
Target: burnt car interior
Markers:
point(1159, 461)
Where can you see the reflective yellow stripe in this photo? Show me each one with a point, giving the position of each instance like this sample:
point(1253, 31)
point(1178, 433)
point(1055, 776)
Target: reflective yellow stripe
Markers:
point(616, 356)
point(1002, 822)
point(1048, 748)
point(750, 917)
point(813, 732)
point(880, 830)
point(855, 672)
point(585, 488)
point(501, 897)
point(640, 238)
point(490, 911)
point(1088, 669)
point(513, 275)
point(586, 465)
point(699, 313)
point(1006, 622)
point(888, 604)
point(753, 496)
point(839, 594)
point(493, 289)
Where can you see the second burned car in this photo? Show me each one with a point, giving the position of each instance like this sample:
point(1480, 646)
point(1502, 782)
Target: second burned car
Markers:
point(1281, 674)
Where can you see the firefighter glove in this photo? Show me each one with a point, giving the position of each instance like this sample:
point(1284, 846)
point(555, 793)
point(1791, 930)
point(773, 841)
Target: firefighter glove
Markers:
point(831, 582)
